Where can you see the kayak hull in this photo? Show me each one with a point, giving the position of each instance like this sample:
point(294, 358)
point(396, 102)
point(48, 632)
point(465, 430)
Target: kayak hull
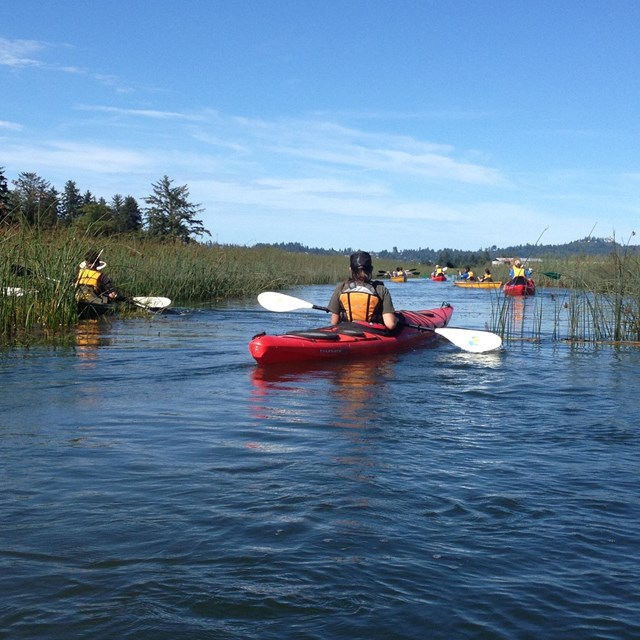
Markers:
point(94, 309)
point(465, 284)
point(398, 278)
point(348, 339)
point(527, 288)
point(441, 278)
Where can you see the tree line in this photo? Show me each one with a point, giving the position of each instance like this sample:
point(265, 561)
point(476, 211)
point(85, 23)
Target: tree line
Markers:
point(456, 258)
point(34, 201)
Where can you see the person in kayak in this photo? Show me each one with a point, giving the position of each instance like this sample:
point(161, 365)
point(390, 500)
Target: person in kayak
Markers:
point(360, 298)
point(93, 286)
point(438, 272)
point(518, 274)
point(467, 275)
point(486, 277)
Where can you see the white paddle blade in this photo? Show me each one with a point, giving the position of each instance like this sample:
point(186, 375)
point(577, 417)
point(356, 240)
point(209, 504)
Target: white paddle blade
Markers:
point(151, 302)
point(12, 291)
point(470, 340)
point(279, 302)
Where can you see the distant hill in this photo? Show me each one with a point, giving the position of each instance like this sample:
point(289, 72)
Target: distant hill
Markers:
point(588, 246)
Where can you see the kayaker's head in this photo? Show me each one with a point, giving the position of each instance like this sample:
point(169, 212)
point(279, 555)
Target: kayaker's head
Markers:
point(91, 257)
point(518, 263)
point(361, 265)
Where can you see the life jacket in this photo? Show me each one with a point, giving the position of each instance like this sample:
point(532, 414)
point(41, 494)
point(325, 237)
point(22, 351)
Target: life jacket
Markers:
point(360, 302)
point(438, 271)
point(518, 272)
point(88, 285)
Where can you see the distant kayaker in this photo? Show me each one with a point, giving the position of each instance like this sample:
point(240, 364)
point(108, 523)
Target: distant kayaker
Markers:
point(518, 273)
point(467, 275)
point(360, 298)
point(486, 277)
point(438, 272)
point(92, 284)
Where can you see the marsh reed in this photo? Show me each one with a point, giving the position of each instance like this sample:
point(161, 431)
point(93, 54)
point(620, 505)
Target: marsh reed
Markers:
point(44, 265)
point(593, 299)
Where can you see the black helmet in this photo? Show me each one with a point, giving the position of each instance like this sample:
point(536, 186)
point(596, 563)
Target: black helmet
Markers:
point(361, 260)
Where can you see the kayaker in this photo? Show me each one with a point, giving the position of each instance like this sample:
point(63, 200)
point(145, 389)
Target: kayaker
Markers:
point(360, 298)
point(467, 275)
point(439, 272)
point(486, 277)
point(518, 273)
point(93, 286)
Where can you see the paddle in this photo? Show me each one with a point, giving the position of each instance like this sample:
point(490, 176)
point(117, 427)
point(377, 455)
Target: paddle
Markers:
point(149, 303)
point(466, 339)
point(552, 274)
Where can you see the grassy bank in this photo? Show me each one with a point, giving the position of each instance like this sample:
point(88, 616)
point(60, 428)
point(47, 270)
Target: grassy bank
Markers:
point(600, 298)
point(44, 266)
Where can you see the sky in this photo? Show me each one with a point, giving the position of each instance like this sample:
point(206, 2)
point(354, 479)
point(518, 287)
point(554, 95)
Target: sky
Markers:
point(364, 124)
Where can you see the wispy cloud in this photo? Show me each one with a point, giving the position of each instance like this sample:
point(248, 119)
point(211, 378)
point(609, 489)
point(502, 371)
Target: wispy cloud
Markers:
point(70, 156)
point(153, 114)
point(20, 53)
point(11, 126)
point(23, 54)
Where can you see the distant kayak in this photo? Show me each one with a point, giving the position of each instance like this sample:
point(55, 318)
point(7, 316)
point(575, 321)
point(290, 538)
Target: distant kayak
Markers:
point(527, 288)
point(398, 278)
point(466, 284)
point(348, 339)
point(440, 278)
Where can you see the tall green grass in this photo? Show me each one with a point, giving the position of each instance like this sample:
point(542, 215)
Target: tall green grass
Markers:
point(188, 274)
point(595, 300)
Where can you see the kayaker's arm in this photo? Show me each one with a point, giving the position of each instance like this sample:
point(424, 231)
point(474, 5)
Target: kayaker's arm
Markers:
point(390, 320)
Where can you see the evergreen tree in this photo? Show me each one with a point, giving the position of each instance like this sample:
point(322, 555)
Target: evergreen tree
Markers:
point(170, 215)
point(97, 219)
point(130, 216)
point(71, 202)
point(36, 201)
point(4, 196)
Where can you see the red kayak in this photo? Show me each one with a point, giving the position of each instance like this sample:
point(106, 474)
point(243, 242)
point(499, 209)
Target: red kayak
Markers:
point(441, 278)
point(527, 288)
point(348, 339)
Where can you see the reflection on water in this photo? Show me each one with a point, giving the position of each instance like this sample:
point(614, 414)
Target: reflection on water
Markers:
point(346, 386)
point(89, 335)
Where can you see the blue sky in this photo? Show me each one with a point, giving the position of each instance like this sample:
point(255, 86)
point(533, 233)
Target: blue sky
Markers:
point(365, 124)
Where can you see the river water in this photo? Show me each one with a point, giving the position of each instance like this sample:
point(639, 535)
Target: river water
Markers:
point(157, 484)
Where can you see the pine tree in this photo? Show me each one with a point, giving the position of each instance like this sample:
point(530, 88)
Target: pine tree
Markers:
point(169, 213)
point(71, 202)
point(36, 201)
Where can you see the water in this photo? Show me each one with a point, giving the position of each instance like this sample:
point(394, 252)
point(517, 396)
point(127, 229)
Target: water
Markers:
point(157, 484)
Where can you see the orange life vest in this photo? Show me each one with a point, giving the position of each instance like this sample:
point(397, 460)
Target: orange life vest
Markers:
point(361, 302)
